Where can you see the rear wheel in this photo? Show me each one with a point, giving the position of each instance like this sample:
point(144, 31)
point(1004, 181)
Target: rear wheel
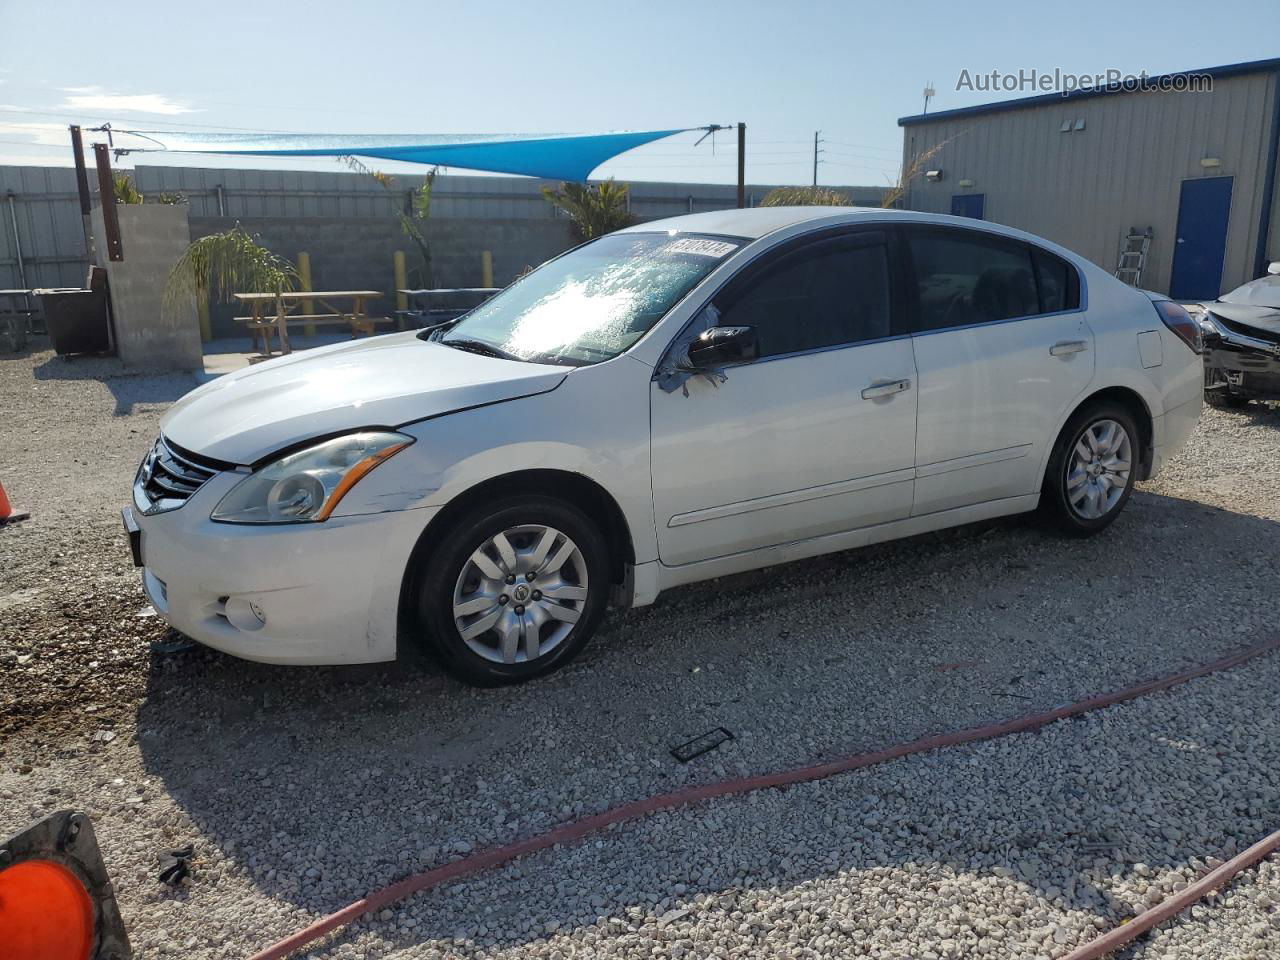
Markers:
point(1092, 469)
point(514, 591)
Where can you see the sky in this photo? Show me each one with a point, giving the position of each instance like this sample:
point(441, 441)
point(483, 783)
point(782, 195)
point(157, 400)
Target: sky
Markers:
point(786, 70)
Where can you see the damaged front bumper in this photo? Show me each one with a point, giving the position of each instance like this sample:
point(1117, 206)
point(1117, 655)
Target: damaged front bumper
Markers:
point(1240, 360)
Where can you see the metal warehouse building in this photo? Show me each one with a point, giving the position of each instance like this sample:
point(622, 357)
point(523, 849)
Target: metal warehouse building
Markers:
point(1196, 169)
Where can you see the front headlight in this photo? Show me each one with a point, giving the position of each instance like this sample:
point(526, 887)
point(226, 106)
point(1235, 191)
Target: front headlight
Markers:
point(305, 486)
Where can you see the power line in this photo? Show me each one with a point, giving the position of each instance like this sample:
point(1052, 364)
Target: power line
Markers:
point(84, 118)
point(863, 146)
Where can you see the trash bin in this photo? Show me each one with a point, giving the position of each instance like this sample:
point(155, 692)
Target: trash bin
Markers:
point(79, 320)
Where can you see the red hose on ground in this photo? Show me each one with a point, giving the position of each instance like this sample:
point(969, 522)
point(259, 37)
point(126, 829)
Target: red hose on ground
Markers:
point(679, 798)
point(1117, 937)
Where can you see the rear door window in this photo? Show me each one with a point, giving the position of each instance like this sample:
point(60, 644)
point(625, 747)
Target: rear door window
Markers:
point(963, 278)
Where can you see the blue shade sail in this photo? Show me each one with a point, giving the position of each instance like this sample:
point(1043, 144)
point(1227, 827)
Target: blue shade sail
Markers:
point(554, 156)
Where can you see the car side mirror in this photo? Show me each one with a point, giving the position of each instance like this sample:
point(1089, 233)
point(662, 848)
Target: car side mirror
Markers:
point(722, 346)
point(1274, 267)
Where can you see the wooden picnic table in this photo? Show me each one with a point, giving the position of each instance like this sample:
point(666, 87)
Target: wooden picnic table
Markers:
point(276, 310)
point(434, 290)
point(422, 312)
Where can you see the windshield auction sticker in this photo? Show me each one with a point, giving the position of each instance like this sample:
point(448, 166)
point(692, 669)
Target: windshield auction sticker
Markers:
point(699, 247)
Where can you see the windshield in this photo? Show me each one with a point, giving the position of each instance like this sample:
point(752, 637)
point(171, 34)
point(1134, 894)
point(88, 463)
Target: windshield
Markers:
point(592, 303)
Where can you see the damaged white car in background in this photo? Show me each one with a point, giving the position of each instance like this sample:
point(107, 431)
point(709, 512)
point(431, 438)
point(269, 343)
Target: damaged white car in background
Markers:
point(673, 402)
point(1242, 342)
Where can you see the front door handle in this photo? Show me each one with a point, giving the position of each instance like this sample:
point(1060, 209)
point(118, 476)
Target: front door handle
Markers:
point(1064, 348)
point(885, 389)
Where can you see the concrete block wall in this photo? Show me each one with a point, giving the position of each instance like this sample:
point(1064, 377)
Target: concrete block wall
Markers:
point(356, 253)
point(154, 237)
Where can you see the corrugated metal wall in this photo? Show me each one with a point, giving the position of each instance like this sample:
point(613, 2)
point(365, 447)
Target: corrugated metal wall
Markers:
point(48, 213)
point(47, 209)
point(1084, 189)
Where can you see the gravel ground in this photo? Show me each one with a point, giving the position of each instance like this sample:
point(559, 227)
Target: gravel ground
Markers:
point(303, 788)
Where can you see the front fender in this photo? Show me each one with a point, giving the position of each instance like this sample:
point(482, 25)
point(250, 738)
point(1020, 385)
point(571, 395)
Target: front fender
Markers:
point(596, 424)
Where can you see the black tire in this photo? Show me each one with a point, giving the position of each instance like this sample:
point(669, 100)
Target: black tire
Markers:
point(439, 575)
point(1055, 504)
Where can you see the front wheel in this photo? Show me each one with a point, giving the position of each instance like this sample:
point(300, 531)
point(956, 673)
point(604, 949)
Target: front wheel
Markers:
point(1092, 469)
point(514, 591)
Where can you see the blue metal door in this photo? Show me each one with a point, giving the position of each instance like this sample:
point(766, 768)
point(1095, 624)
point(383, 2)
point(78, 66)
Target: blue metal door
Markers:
point(968, 205)
point(1201, 241)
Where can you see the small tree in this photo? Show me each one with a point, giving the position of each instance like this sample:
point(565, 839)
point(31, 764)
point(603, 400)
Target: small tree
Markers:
point(804, 197)
point(412, 220)
point(223, 264)
point(594, 209)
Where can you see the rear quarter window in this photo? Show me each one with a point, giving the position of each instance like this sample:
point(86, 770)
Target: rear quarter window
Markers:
point(1058, 281)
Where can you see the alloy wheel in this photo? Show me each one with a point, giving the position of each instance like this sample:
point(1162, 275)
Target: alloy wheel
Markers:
point(1098, 469)
point(520, 593)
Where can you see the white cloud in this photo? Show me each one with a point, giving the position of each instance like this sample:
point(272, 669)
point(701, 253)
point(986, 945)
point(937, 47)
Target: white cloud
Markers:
point(95, 98)
point(53, 134)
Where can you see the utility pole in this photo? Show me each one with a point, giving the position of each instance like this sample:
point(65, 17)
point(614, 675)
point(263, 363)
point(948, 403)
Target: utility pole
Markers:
point(816, 151)
point(742, 165)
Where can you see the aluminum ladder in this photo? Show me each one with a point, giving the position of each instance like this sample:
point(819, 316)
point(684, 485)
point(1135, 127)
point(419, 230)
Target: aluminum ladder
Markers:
point(1133, 257)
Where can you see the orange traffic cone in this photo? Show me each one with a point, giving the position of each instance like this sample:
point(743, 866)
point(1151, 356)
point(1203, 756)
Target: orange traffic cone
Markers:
point(7, 513)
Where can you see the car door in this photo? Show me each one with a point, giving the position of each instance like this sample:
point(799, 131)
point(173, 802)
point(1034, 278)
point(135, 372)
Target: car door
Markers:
point(1002, 349)
point(817, 435)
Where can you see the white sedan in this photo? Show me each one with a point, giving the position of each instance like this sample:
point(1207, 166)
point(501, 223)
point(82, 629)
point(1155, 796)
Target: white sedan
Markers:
point(677, 401)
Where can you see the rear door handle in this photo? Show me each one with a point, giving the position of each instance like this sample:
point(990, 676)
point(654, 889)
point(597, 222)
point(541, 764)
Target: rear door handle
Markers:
point(1064, 348)
point(885, 389)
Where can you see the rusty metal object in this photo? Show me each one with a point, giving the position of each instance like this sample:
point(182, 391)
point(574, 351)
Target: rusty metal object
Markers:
point(107, 194)
point(82, 175)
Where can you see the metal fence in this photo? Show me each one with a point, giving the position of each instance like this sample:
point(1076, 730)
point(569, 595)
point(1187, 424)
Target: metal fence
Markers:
point(42, 239)
point(41, 234)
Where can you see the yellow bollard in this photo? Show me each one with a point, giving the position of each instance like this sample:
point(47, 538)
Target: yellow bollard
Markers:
point(486, 268)
point(304, 281)
point(402, 300)
point(202, 311)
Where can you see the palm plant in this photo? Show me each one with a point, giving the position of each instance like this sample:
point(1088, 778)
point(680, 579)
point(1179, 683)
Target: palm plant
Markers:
point(124, 189)
point(224, 264)
point(804, 197)
point(594, 209)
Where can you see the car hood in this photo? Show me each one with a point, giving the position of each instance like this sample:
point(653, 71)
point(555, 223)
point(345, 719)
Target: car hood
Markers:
point(1263, 292)
point(382, 381)
point(1264, 320)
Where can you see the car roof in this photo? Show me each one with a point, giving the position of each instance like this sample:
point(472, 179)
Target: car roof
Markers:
point(753, 222)
point(756, 222)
